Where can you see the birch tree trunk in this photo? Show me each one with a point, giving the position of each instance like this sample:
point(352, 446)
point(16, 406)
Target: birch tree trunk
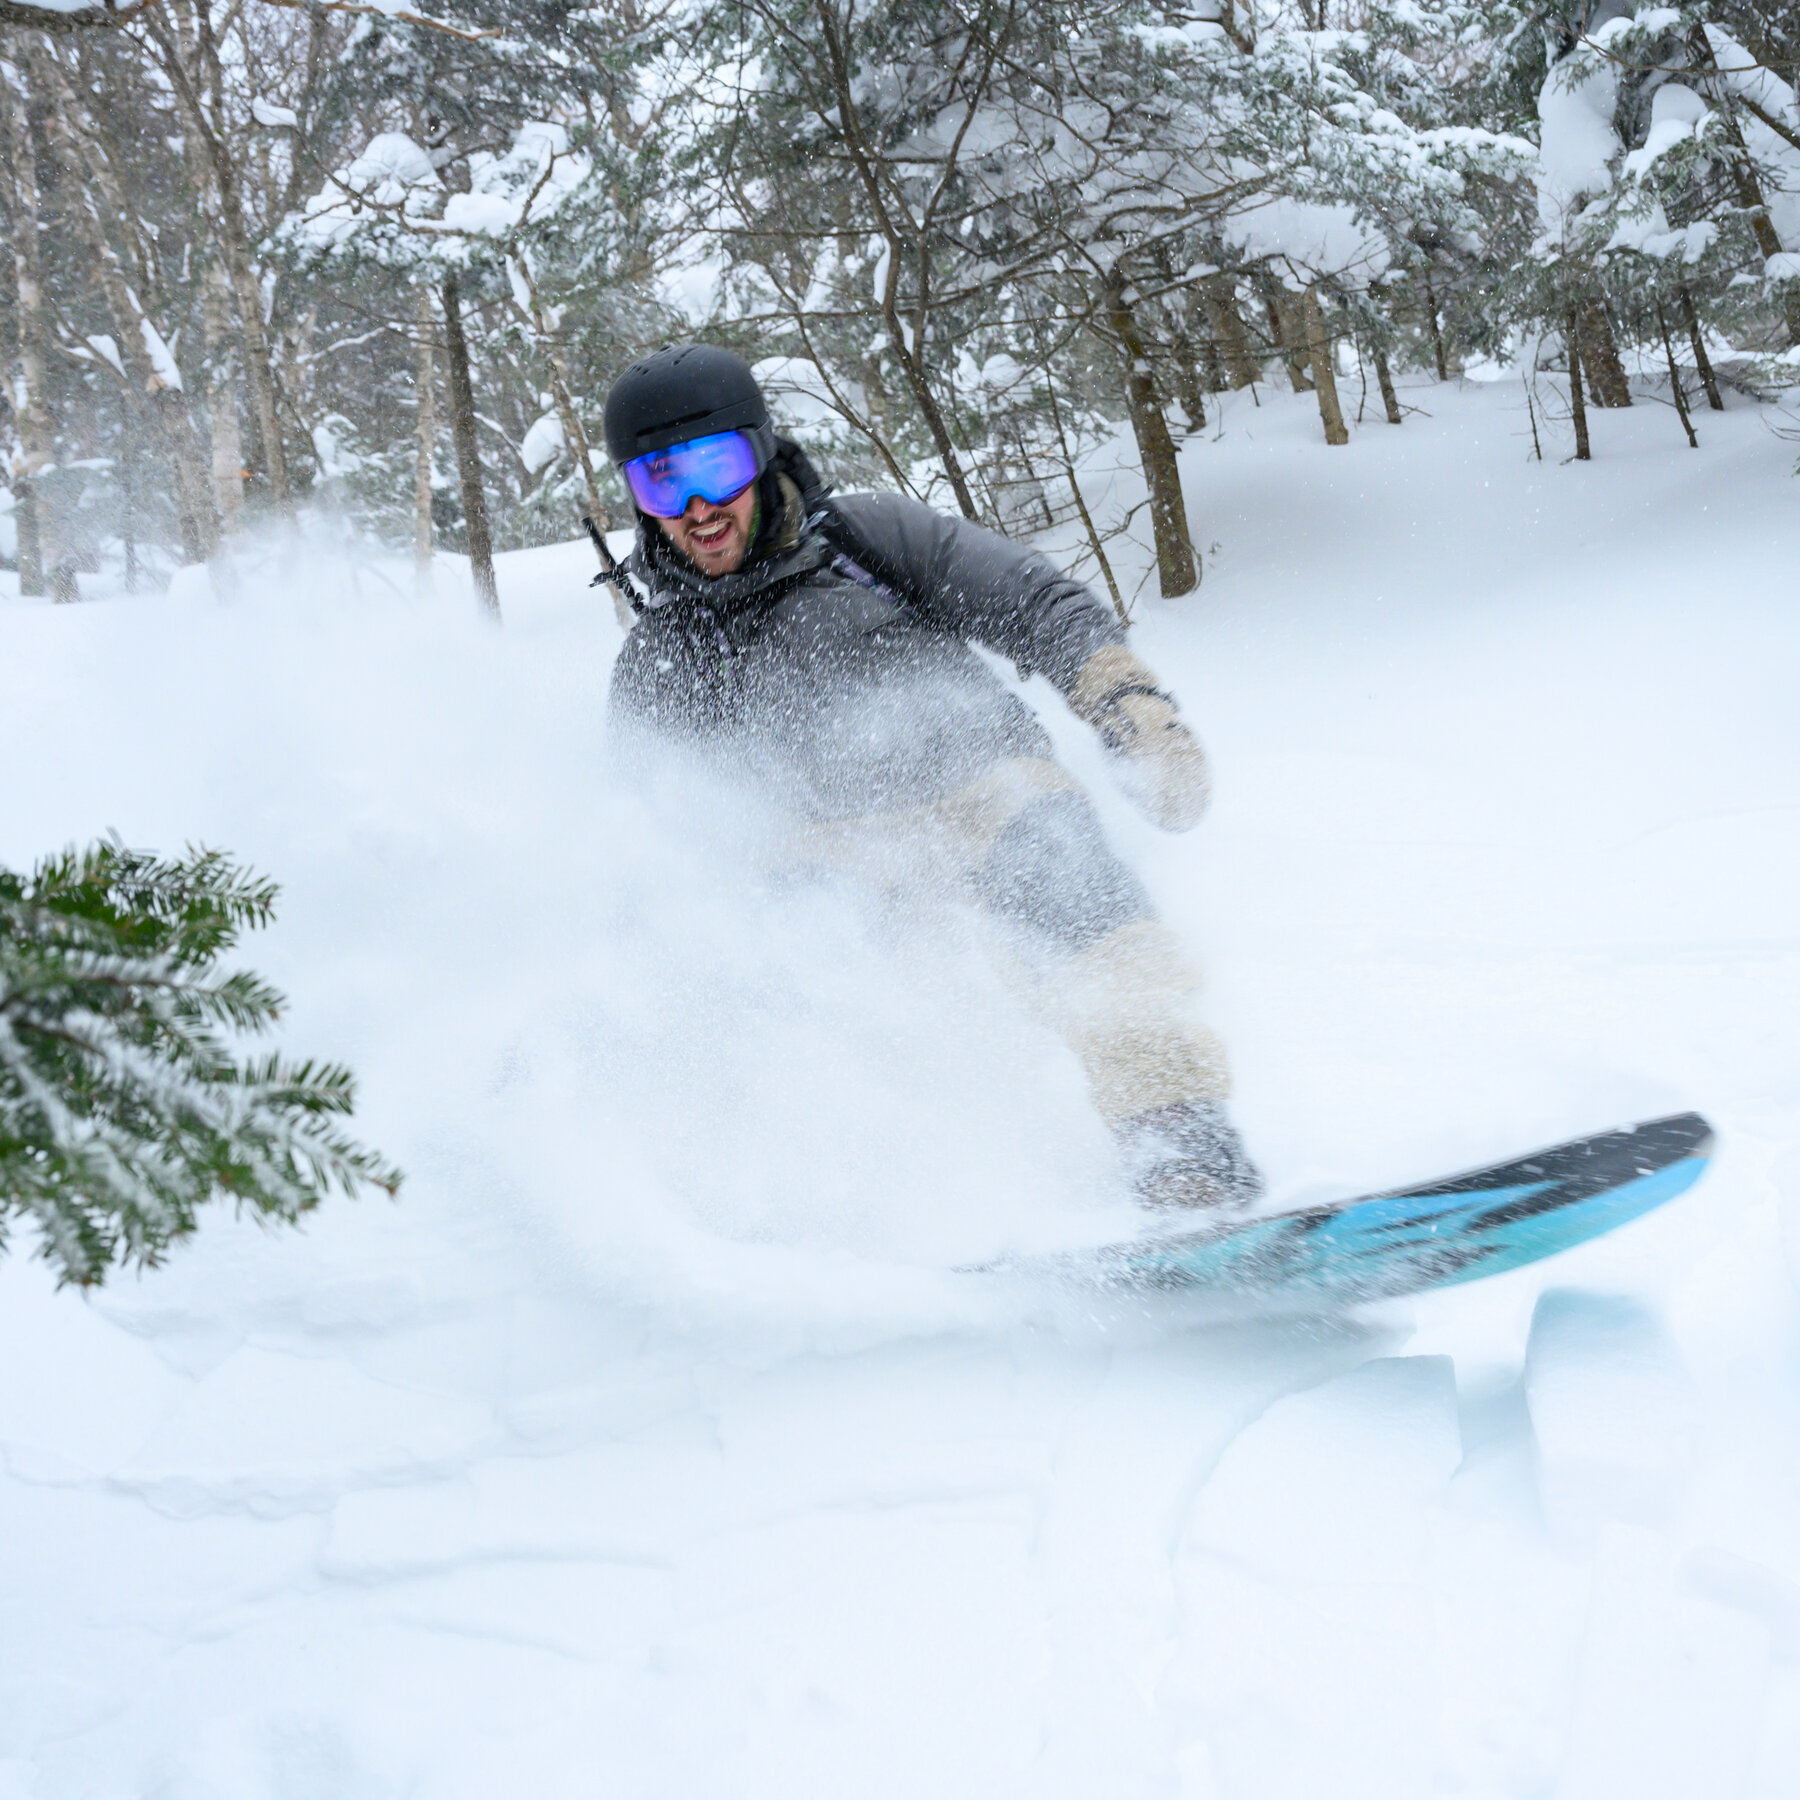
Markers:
point(1324, 373)
point(222, 370)
point(234, 239)
point(37, 537)
point(142, 346)
point(562, 392)
point(425, 436)
point(468, 454)
point(222, 396)
point(151, 368)
point(1178, 568)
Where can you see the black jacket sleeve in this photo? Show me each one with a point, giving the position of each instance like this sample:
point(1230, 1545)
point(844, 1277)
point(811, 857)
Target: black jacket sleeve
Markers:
point(978, 585)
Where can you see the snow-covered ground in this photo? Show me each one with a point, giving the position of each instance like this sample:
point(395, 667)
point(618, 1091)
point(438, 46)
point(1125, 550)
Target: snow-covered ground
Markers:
point(648, 1447)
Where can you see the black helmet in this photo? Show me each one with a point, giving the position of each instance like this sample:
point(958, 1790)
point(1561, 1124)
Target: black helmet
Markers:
point(686, 391)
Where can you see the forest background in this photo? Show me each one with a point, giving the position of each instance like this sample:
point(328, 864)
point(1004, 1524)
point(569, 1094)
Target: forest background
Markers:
point(274, 260)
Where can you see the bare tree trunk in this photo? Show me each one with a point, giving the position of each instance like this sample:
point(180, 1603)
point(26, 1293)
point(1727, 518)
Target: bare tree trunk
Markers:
point(233, 238)
point(425, 436)
point(1702, 362)
point(562, 391)
point(1095, 542)
point(1189, 385)
point(155, 376)
point(1600, 356)
point(1219, 299)
point(142, 346)
point(128, 494)
point(30, 553)
point(468, 454)
point(1437, 330)
point(1287, 337)
point(1324, 373)
point(1185, 376)
point(222, 372)
point(1177, 566)
point(1577, 405)
point(258, 364)
point(37, 439)
point(222, 397)
point(1687, 424)
point(1385, 380)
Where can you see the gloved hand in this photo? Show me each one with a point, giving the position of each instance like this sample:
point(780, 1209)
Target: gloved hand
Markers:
point(1159, 762)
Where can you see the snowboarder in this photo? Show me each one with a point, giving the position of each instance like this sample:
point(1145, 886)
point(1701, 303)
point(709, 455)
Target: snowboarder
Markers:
point(819, 644)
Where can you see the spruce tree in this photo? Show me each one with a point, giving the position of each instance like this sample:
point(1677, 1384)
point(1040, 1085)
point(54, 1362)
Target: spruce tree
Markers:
point(123, 1108)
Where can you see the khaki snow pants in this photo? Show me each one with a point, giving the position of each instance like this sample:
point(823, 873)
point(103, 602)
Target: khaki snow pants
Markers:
point(1085, 949)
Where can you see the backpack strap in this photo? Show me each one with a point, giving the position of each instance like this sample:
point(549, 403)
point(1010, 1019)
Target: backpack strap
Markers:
point(856, 561)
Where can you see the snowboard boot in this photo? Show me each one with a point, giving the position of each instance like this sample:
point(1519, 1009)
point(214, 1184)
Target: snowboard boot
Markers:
point(1188, 1155)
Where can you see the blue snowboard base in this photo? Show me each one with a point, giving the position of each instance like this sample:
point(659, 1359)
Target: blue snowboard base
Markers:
point(1479, 1223)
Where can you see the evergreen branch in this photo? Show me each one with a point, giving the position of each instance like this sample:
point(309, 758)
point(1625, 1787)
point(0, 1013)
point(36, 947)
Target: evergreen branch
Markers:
point(121, 1110)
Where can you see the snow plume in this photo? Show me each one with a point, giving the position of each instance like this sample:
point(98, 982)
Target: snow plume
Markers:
point(655, 1031)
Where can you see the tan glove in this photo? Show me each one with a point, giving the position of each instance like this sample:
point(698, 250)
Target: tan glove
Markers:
point(1159, 762)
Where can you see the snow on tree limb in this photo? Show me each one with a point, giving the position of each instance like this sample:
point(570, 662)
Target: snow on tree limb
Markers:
point(389, 12)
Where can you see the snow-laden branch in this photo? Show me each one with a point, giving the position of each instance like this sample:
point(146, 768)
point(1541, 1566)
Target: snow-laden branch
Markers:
point(405, 17)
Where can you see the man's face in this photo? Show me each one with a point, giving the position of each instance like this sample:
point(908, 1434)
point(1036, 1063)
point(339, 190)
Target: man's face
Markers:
point(714, 535)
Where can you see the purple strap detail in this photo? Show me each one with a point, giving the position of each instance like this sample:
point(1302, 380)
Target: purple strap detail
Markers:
point(854, 571)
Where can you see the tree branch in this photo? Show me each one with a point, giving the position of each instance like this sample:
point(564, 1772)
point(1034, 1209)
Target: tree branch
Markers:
point(381, 12)
point(22, 14)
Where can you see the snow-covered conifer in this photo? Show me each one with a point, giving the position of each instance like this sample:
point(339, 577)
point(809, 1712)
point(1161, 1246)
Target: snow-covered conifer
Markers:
point(123, 1108)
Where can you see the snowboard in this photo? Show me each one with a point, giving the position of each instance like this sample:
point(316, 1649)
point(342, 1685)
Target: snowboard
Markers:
point(1413, 1239)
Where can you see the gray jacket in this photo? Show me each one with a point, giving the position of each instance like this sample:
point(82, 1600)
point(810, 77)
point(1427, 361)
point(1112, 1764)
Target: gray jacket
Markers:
point(834, 669)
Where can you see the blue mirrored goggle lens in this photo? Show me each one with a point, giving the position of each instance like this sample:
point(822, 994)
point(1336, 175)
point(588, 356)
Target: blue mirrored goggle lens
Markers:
point(715, 468)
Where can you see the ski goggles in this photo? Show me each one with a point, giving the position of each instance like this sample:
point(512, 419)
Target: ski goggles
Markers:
point(717, 468)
